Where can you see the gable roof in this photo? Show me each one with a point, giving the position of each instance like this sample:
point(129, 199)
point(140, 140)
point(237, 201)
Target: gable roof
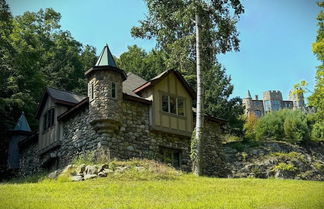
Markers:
point(60, 97)
point(159, 77)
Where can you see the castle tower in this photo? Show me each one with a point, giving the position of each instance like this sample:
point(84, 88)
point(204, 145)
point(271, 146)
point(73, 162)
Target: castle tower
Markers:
point(272, 101)
point(247, 102)
point(297, 99)
point(105, 94)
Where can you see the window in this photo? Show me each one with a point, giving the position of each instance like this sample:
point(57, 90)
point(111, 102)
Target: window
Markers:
point(171, 156)
point(257, 113)
point(113, 90)
point(165, 103)
point(91, 91)
point(180, 104)
point(276, 105)
point(48, 119)
point(172, 104)
point(267, 105)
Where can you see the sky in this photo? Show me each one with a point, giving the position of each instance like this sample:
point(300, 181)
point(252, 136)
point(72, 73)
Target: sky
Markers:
point(276, 37)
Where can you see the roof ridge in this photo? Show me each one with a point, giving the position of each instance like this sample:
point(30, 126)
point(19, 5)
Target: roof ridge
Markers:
point(49, 87)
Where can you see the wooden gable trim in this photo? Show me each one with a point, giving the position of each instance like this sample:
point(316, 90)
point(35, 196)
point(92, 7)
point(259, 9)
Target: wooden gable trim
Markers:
point(157, 80)
point(73, 110)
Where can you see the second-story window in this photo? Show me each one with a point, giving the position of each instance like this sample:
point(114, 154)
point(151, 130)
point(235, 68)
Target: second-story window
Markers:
point(113, 90)
point(48, 119)
point(173, 104)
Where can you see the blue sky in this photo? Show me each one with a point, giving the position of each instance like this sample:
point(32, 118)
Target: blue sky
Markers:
point(276, 37)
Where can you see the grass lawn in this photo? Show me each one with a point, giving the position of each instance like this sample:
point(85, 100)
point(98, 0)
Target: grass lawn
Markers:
point(186, 191)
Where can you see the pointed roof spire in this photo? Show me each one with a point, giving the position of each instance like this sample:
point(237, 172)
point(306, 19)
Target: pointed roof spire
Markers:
point(248, 95)
point(106, 62)
point(106, 58)
point(22, 124)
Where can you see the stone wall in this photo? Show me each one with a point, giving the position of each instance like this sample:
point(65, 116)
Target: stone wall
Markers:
point(133, 140)
point(29, 159)
point(212, 151)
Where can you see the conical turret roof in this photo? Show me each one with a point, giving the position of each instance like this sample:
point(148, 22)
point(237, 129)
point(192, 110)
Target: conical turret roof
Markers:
point(106, 62)
point(106, 58)
point(248, 96)
point(22, 124)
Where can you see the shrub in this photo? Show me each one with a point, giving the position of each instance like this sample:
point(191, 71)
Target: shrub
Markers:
point(295, 126)
point(284, 167)
point(283, 125)
point(317, 133)
point(270, 126)
point(249, 127)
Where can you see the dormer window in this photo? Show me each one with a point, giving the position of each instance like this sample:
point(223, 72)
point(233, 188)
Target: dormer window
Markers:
point(173, 104)
point(113, 90)
point(48, 120)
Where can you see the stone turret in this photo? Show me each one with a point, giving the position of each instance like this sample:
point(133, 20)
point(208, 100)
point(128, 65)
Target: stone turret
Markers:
point(105, 85)
point(247, 101)
point(297, 99)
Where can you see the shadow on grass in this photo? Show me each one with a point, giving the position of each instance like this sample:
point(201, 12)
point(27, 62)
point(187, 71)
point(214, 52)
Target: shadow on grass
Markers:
point(35, 178)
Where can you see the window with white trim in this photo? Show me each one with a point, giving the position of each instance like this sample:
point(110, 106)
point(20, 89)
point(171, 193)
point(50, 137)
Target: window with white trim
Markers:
point(172, 104)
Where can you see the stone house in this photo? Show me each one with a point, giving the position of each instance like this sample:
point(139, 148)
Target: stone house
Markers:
point(123, 116)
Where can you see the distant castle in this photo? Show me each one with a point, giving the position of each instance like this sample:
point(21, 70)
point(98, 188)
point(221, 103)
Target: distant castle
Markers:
point(272, 101)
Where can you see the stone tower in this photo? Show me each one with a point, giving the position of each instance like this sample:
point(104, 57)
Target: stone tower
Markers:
point(272, 101)
point(247, 102)
point(105, 85)
point(297, 99)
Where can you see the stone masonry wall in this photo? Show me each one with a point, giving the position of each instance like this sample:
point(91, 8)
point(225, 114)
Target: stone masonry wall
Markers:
point(29, 160)
point(212, 151)
point(134, 139)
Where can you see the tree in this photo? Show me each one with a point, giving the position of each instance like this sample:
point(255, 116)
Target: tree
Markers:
point(317, 98)
point(172, 24)
point(35, 53)
point(137, 61)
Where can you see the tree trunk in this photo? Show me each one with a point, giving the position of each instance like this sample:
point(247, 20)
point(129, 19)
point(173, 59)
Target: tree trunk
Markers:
point(199, 114)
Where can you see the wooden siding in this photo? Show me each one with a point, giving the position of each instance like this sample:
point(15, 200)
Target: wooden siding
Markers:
point(169, 122)
point(52, 134)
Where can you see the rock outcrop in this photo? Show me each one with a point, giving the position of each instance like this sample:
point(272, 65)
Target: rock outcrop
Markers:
point(275, 159)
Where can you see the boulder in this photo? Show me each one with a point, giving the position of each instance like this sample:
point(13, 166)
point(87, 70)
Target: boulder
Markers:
point(81, 169)
point(103, 167)
point(91, 170)
point(90, 176)
point(102, 174)
point(76, 178)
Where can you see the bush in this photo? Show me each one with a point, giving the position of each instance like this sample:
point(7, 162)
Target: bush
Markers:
point(283, 125)
point(271, 126)
point(249, 127)
point(295, 126)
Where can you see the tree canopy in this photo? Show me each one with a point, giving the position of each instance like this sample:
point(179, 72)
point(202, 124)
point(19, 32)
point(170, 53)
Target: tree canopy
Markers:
point(172, 24)
point(35, 52)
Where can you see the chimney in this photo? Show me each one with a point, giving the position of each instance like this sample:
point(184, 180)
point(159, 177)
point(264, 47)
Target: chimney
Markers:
point(256, 97)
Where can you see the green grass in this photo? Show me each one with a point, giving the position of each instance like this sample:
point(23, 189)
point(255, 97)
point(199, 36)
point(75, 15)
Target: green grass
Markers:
point(186, 191)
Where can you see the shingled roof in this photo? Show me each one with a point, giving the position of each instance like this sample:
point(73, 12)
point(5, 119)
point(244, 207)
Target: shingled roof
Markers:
point(60, 97)
point(133, 81)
